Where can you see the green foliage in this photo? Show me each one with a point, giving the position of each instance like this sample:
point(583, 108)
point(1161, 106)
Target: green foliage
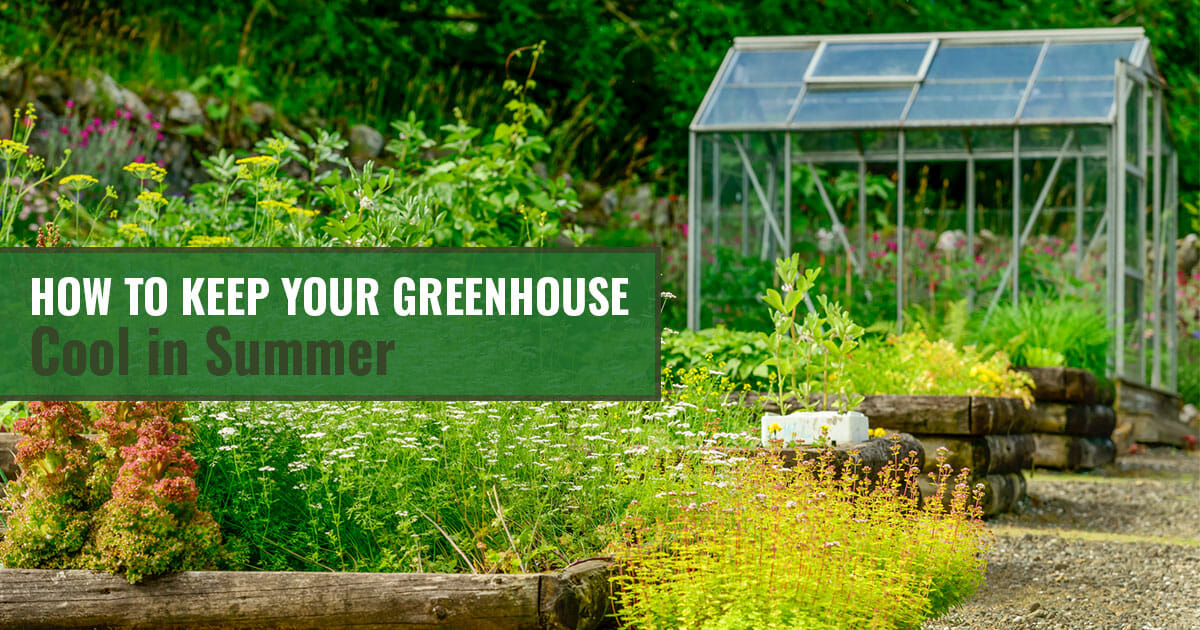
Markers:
point(912, 363)
point(813, 349)
point(437, 487)
point(123, 503)
point(462, 187)
point(756, 545)
point(625, 77)
point(1043, 331)
point(47, 507)
point(742, 356)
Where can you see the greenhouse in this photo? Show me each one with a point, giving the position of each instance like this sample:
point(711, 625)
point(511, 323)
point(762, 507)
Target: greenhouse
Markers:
point(921, 170)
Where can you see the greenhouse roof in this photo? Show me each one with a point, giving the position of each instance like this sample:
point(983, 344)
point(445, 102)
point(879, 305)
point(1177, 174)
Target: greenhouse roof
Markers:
point(913, 80)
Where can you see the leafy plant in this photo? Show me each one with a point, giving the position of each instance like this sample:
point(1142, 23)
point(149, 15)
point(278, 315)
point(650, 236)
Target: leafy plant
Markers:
point(742, 356)
point(912, 363)
point(1044, 331)
point(757, 545)
point(816, 348)
point(48, 518)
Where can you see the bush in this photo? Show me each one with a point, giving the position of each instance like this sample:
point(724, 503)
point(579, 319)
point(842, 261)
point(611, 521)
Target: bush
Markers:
point(912, 363)
point(760, 546)
point(1041, 328)
point(462, 187)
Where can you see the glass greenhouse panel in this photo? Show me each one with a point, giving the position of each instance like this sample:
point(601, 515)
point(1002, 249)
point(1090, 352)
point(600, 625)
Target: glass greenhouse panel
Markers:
point(967, 101)
point(751, 105)
point(984, 62)
point(852, 105)
point(1094, 59)
point(1059, 99)
point(757, 67)
point(871, 60)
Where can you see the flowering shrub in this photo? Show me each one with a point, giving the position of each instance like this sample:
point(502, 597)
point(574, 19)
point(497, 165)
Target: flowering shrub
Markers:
point(48, 504)
point(152, 524)
point(912, 363)
point(756, 545)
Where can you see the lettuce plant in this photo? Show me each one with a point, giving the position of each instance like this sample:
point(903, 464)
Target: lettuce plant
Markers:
point(48, 518)
point(151, 524)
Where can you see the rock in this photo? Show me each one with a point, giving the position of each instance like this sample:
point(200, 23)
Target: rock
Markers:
point(186, 109)
point(1190, 415)
point(48, 89)
point(260, 113)
point(1189, 254)
point(365, 142)
point(110, 90)
point(134, 103)
point(83, 91)
point(608, 202)
point(588, 192)
point(641, 204)
point(12, 80)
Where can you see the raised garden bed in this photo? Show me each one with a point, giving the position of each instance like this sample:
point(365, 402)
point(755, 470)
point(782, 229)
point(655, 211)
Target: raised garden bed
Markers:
point(575, 598)
point(1150, 416)
point(991, 436)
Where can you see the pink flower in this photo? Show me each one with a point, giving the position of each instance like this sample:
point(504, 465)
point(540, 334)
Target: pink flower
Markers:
point(978, 259)
point(637, 216)
point(156, 125)
point(158, 136)
point(70, 104)
point(1074, 248)
point(149, 116)
point(683, 227)
point(891, 246)
point(63, 130)
point(140, 158)
point(96, 122)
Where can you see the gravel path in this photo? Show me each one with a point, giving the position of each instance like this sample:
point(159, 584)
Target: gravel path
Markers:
point(1117, 548)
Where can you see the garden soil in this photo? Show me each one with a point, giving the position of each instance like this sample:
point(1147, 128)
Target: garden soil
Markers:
point(1116, 548)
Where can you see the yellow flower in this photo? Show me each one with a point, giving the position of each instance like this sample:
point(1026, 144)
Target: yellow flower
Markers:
point(209, 241)
point(11, 149)
point(272, 206)
point(150, 199)
point(78, 182)
point(256, 166)
point(146, 170)
point(301, 212)
point(130, 231)
point(774, 428)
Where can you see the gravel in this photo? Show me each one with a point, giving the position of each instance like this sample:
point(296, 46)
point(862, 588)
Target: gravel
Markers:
point(1116, 548)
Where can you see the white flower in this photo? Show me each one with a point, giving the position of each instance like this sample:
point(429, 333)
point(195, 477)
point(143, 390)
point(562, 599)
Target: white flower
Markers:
point(227, 432)
point(266, 469)
point(667, 295)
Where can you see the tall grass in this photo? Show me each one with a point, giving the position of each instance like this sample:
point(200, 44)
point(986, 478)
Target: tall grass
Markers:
point(1073, 328)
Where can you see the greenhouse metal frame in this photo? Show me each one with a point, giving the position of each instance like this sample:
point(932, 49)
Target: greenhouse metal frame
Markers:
point(861, 101)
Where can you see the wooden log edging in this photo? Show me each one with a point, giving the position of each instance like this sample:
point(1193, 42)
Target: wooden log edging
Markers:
point(1001, 492)
point(986, 454)
point(1150, 416)
point(1083, 420)
point(575, 598)
point(1069, 452)
point(1063, 384)
point(929, 415)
